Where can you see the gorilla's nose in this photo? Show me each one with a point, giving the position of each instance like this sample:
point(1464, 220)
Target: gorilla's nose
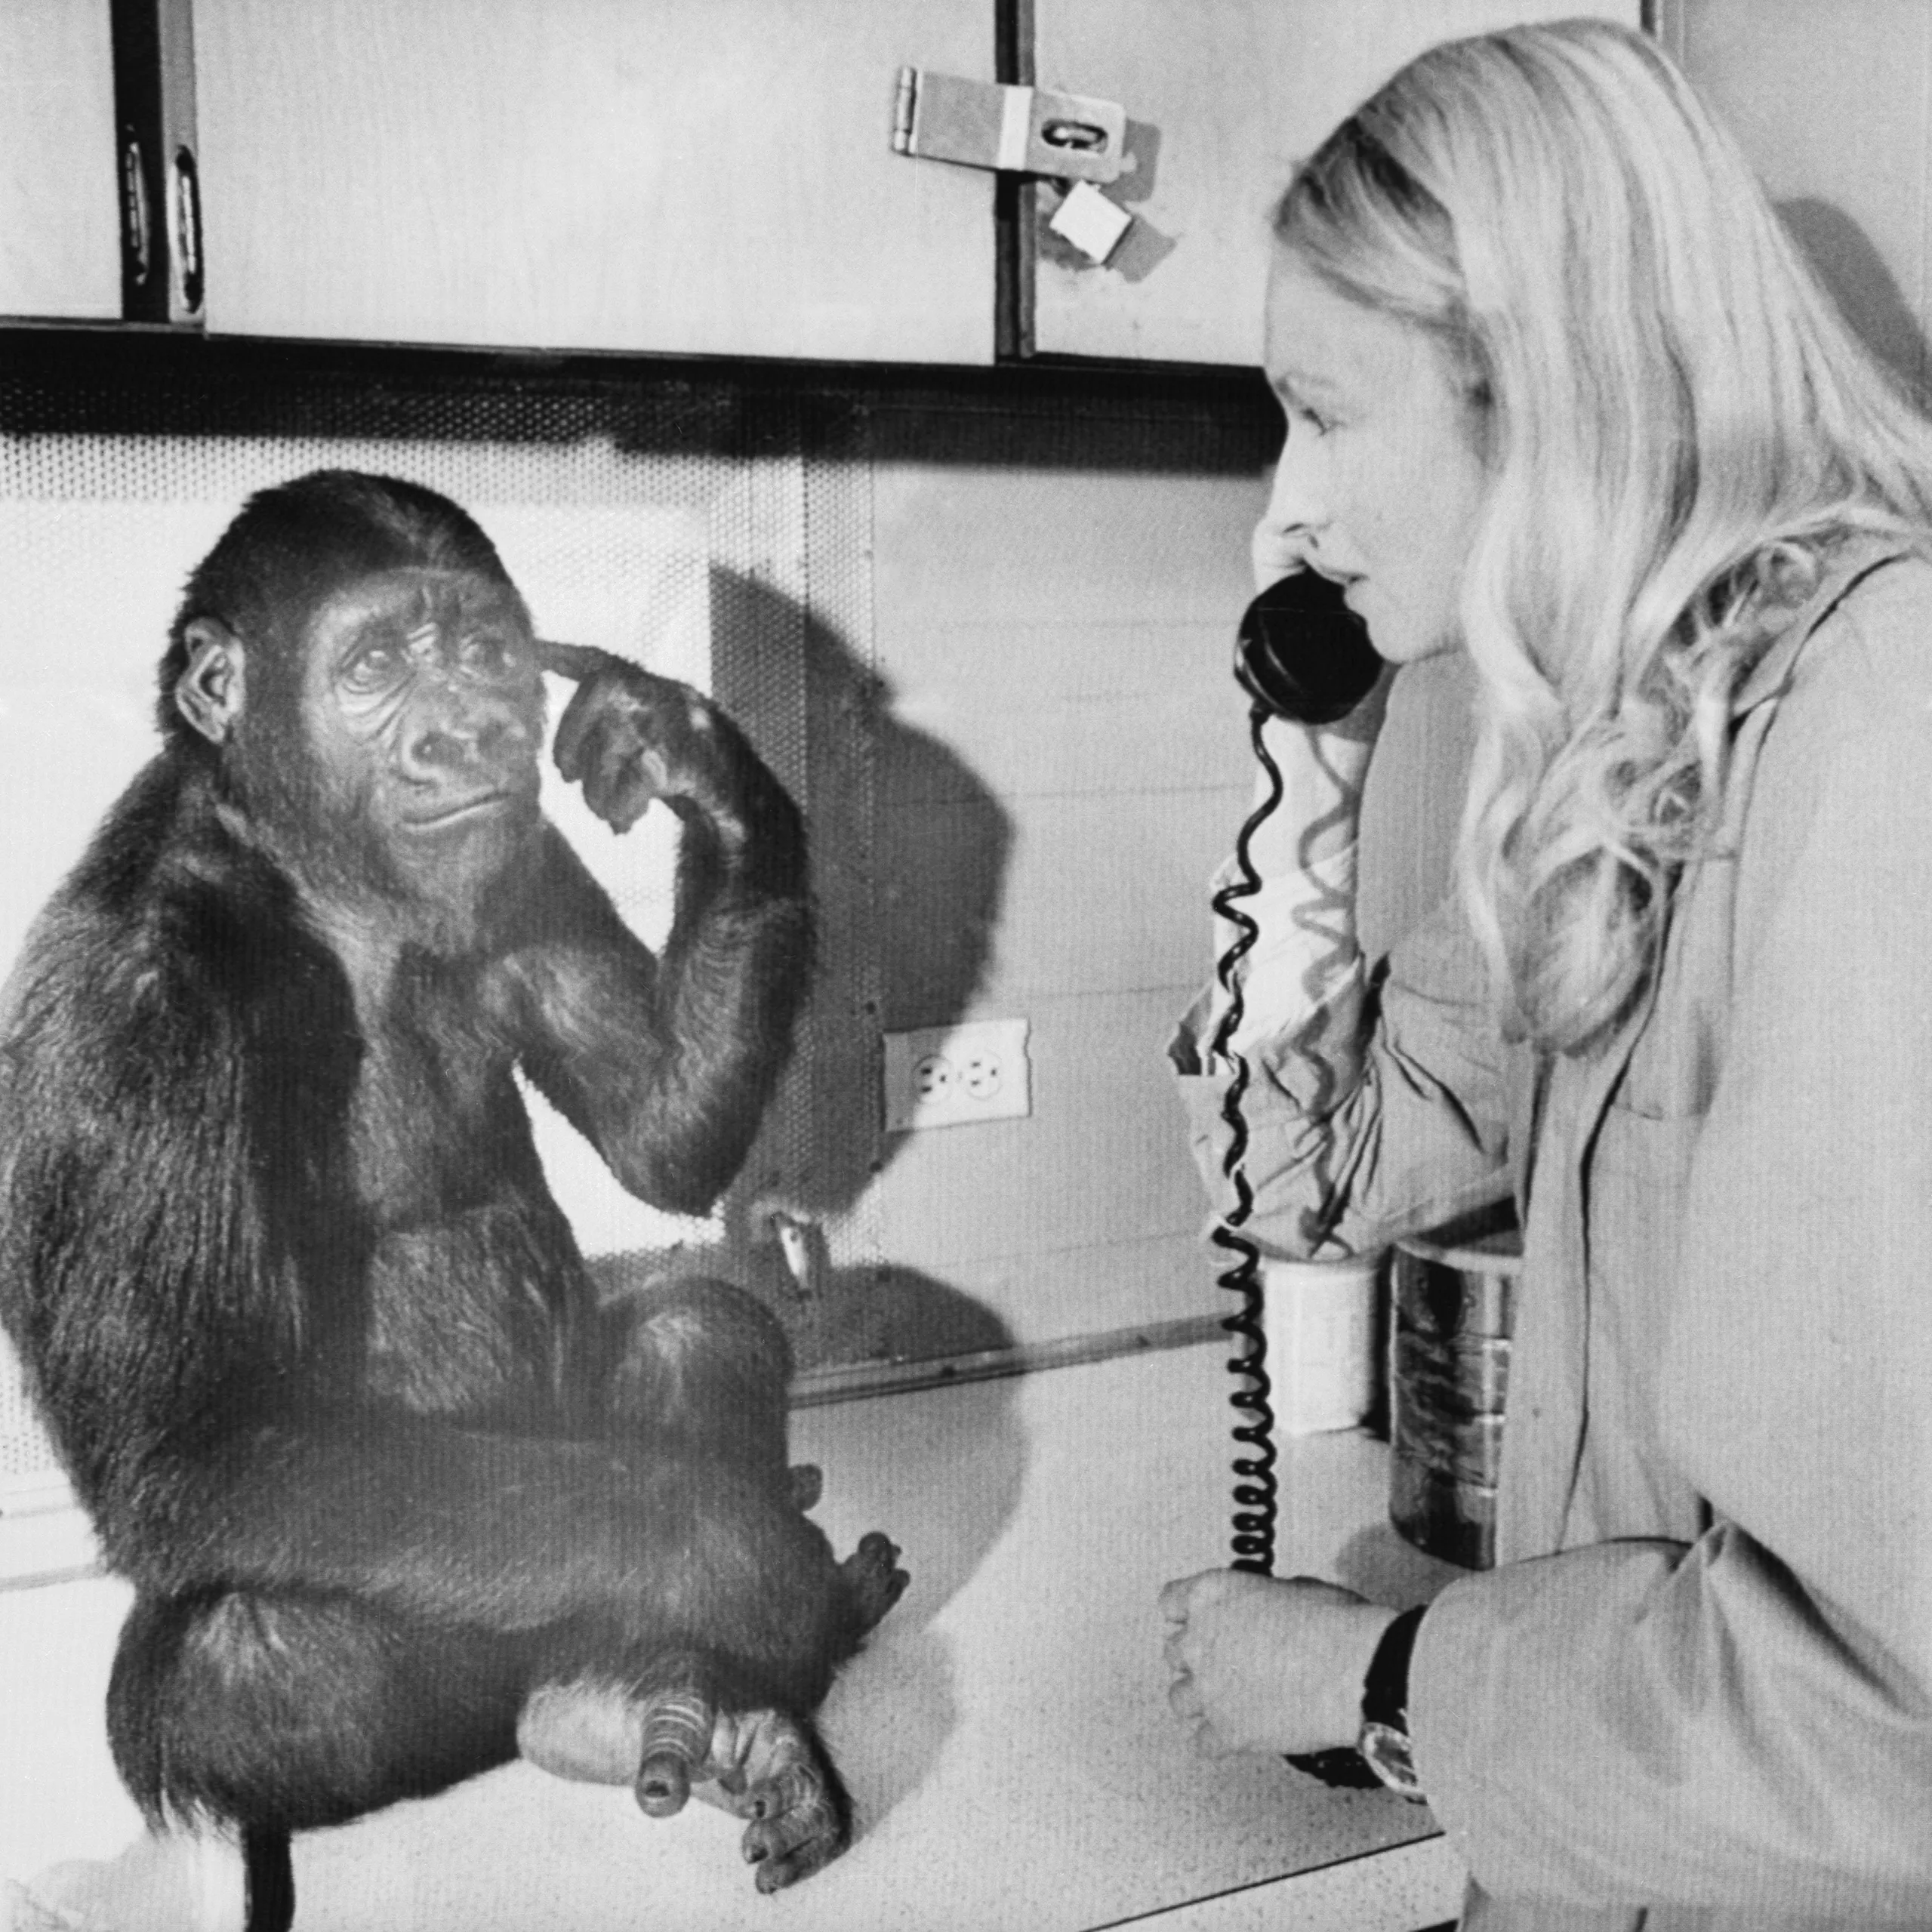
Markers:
point(467, 738)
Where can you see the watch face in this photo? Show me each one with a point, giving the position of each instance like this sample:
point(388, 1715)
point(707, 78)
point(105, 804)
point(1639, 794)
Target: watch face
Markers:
point(1391, 1758)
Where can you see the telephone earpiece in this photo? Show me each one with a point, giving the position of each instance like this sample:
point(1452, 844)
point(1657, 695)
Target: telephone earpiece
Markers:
point(1303, 653)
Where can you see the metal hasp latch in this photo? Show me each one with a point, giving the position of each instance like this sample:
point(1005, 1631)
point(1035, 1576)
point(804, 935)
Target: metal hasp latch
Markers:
point(1024, 131)
point(1069, 137)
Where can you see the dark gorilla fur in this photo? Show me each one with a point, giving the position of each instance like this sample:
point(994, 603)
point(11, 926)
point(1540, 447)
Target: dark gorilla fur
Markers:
point(316, 1345)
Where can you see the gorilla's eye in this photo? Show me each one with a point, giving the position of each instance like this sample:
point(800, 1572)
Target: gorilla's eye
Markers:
point(490, 654)
point(373, 668)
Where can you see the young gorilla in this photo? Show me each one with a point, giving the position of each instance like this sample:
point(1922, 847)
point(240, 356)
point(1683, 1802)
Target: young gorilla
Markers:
point(318, 1347)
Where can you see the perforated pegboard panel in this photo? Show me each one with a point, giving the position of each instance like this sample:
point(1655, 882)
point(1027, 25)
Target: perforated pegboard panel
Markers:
point(24, 1453)
point(673, 524)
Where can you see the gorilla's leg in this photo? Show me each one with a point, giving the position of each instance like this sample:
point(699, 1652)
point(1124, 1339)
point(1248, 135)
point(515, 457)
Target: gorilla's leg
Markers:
point(284, 1712)
point(704, 1369)
point(703, 1364)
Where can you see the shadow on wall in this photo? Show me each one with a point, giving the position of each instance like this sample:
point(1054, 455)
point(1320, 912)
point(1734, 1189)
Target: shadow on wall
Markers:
point(906, 927)
point(906, 932)
point(1843, 258)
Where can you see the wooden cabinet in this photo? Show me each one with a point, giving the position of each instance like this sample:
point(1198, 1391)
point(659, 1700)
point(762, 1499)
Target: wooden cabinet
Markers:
point(60, 231)
point(1223, 97)
point(697, 177)
point(708, 177)
point(715, 176)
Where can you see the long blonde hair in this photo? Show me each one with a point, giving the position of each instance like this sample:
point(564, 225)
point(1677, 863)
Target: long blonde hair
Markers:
point(1679, 431)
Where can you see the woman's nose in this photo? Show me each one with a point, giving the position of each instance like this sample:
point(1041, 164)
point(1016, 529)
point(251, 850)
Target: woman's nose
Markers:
point(1297, 498)
point(1291, 526)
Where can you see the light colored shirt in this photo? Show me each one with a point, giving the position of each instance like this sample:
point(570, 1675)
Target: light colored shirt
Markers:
point(1698, 1684)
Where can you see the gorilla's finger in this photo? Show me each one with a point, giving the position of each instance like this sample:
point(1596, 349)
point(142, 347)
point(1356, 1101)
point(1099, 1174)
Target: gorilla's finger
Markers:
point(572, 660)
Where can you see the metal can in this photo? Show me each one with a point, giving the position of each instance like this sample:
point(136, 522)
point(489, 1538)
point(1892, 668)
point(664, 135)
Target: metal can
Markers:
point(1454, 1302)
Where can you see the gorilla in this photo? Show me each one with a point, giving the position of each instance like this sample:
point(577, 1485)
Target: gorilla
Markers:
point(401, 1499)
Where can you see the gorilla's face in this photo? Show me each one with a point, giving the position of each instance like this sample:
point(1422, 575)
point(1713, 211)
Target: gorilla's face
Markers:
point(388, 750)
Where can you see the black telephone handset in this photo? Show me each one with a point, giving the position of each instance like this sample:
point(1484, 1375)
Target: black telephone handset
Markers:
point(1303, 653)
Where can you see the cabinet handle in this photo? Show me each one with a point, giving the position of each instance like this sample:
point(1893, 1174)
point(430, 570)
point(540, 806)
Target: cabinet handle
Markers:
point(136, 237)
point(187, 200)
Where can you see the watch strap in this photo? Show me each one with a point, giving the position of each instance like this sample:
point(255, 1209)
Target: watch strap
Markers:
point(1385, 1703)
point(1384, 1744)
point(1385, 1688)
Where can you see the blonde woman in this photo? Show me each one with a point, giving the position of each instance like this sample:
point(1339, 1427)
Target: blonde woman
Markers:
point(1560, 394)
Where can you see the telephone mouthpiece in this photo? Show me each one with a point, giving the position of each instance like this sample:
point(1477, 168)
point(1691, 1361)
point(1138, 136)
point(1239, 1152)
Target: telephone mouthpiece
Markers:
point(1303, 653)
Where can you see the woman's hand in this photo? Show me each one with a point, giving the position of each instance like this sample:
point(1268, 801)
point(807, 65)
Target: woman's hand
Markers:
point(1261, 1663)
point(1277, 551)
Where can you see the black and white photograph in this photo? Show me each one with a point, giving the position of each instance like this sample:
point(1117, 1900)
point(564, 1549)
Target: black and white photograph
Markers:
point(965, 965)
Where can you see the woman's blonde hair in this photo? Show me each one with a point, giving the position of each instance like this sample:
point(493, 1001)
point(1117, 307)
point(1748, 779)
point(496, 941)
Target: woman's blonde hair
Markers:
point(1678, 430)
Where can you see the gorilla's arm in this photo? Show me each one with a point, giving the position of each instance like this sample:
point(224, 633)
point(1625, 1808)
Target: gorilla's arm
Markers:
point(667, 1066)
point(181, 1266)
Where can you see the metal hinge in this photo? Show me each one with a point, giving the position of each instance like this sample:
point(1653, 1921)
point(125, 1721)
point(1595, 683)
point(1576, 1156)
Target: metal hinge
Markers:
point(1018, 130)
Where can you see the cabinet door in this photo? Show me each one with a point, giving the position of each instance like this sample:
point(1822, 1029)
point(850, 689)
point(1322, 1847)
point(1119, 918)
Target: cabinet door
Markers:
point(1223, 97)
point(60, 229)
point(702, 177)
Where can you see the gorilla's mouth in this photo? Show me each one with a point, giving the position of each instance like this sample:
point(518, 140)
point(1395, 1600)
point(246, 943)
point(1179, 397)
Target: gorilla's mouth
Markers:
point(478, 805)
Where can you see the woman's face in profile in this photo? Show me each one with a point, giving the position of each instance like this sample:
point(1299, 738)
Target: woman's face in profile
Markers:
point(1379, 481)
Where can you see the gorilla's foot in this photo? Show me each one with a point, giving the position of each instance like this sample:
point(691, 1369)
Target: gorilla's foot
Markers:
point(670, 1741)
point(771, 1770)
point(873, 1578)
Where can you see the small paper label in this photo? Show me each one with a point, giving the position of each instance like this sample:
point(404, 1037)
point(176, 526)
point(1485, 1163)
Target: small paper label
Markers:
point(1092, 222)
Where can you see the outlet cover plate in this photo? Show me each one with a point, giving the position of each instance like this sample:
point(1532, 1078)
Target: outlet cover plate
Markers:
point(953, 1076)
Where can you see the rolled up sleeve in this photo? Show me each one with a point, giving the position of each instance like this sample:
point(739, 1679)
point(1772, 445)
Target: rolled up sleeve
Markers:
point(1383, 1109)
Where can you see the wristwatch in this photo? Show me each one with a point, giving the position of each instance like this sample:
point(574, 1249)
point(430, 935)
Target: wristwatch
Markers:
point(1381, 1755)
point(1384, 1741)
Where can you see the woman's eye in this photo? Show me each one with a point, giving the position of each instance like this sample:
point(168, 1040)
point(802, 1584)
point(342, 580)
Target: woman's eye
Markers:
point(1311, 420)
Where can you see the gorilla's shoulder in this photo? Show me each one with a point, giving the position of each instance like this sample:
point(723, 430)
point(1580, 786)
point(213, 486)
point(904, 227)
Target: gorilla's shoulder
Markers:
point(167, 898)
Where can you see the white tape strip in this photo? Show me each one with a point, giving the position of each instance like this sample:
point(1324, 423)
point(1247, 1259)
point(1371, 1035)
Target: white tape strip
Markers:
point(1016, 122)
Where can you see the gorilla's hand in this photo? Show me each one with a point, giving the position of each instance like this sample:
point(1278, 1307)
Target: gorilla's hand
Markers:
point(631, 736)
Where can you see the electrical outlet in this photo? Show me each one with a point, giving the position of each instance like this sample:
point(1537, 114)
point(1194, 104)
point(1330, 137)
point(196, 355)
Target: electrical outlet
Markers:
point(950, 1076)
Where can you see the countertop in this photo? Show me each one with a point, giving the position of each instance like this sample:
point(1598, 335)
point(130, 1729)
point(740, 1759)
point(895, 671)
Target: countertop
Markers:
point(1005, 1735)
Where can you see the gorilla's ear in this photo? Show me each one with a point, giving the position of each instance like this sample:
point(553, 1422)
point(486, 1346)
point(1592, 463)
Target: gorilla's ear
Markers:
point(211, 692)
